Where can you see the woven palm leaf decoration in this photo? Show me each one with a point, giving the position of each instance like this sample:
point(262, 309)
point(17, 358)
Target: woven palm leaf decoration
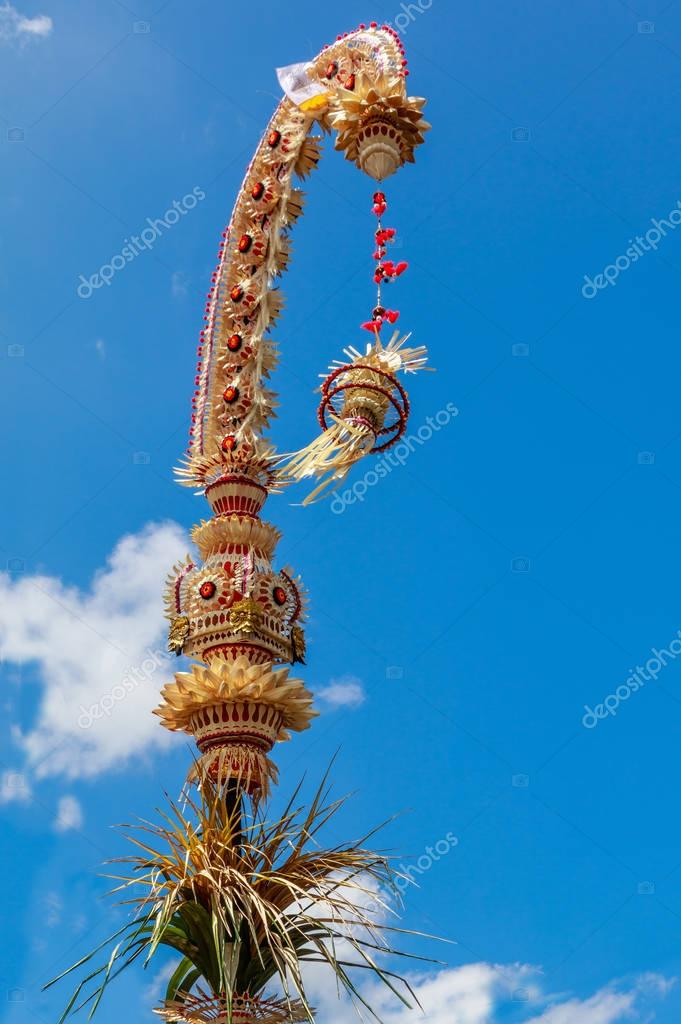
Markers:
point(244, 900)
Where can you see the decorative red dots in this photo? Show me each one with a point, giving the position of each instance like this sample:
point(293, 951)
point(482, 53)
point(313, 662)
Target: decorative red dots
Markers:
point(230, 394)
point(207, 590)
point(279, 596)
point(229, 443)
point(234, 342)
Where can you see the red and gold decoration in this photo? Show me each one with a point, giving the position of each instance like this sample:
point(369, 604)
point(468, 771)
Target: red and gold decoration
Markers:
point(236, 895)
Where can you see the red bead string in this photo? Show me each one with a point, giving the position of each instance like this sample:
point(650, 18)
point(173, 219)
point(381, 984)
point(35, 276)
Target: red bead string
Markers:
point(386, 270)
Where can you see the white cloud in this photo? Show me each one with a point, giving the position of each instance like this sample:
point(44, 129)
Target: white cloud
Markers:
point(610, 1004)
point(346, 692)
point(463, 995)
point(52, 910)
point(100, 656)
point(69, 814)
point(153, 992)
point(17, 27)
point(14, 788)
point(483, 993)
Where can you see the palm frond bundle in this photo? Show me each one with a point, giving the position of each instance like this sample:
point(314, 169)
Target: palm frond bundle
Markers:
point(247, 902)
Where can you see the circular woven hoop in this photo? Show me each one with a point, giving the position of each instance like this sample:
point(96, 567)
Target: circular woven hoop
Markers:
point(392, 391)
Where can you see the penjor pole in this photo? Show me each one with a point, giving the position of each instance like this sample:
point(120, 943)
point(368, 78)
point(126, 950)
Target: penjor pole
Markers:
point(243, 901)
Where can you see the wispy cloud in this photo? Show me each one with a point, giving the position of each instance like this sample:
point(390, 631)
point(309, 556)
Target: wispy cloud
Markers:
point(346, 692)
point(16, 27)
point(52, 909)
point(179, 284)
point(69, 814)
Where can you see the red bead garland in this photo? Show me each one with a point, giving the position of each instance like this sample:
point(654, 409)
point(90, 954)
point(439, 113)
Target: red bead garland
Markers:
point(386, 270)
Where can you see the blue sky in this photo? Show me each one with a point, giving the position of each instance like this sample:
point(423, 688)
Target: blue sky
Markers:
point(520, 564)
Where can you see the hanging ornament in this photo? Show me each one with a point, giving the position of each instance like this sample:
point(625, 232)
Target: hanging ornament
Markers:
point(364, 408)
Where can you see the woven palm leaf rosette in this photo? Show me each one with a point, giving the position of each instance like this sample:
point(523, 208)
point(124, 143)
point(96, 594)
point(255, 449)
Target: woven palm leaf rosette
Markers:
point(203, 1009)
point(379, 126)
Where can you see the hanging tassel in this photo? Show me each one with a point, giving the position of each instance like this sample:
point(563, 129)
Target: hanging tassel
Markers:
point(248, 766)
point(330, 456)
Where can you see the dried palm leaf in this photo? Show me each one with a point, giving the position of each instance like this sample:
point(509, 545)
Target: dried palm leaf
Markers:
point(247, 902)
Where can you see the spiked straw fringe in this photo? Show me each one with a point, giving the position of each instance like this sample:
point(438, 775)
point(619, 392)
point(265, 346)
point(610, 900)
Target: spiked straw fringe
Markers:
point(205, 1009)
point(248, 767)
point(331, 456)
